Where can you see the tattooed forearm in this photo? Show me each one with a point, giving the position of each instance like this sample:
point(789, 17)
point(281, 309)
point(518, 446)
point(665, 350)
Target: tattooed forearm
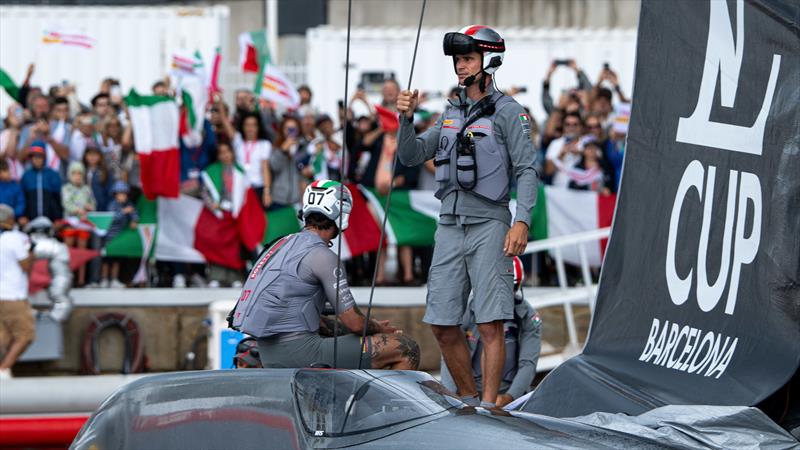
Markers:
point(326, 327)
point(372, 327)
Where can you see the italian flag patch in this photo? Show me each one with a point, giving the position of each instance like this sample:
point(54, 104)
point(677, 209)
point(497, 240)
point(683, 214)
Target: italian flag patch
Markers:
point(525, 121)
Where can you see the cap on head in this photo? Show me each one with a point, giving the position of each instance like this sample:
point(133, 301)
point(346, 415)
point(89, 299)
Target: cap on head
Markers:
point(324, 197)
point(40, 223)
point(6, 213)
point(120, 186)
point(477, 38)
point(37, 148)
point(76, 166)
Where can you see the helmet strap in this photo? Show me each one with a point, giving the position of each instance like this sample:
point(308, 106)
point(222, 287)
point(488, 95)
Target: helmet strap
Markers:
point(483, 81)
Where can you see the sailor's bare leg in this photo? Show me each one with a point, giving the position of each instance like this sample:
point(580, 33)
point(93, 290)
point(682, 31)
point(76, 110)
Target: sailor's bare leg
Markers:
point(454, 349)
point(492, 358)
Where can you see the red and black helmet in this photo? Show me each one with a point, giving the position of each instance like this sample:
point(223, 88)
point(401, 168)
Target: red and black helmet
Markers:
point(519, 273)
point(477, 38)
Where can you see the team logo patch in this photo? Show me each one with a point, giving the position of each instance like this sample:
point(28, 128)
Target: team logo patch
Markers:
point(450, 123)
point(525, 121)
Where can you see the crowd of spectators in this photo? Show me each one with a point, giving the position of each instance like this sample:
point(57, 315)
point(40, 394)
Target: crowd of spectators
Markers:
point(62, 159)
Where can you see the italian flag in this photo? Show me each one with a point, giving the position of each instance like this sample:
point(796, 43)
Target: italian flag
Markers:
point(189, 76)
point(281, 222)
point(413, 215)
point(130, 243)
point(561, 211)
point(155, 121)
point(191, 232)
point(7, 83)
point(253, 51)
point(183, 229)
point(246, 207)
point(213, 78)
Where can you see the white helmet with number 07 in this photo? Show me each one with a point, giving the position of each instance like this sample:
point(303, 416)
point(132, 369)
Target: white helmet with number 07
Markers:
point(323, 196)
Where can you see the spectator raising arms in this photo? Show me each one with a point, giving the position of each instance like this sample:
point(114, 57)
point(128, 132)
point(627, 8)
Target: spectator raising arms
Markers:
point(43, 130)
point(285, 175)
point(84, 136)
point(325, 152)
point(252, 150)
point(110, 141)
point(8, 141)
point(564, 152)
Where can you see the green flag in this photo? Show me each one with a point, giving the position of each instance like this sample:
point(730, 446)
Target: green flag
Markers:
point(8, 84)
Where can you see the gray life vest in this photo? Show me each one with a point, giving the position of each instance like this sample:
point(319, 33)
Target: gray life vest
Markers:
point(274, 298)
point(484, 168)
point(511, 331)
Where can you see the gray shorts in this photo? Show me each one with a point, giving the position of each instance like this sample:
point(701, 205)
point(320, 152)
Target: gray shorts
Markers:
point(311, 348)
point(470, 257)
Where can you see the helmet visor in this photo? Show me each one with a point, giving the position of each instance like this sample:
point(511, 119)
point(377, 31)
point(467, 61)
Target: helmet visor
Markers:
point(458, 44)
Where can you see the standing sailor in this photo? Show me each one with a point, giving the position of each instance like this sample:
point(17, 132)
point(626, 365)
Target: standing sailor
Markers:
point(480, 145)
point(285, 293)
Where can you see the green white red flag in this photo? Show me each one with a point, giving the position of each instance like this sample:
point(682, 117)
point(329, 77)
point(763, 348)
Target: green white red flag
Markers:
point(155, 121)
point(189, 77)
point(245, 206)
point(561, 212)
point(187, 231)
point(253, 51)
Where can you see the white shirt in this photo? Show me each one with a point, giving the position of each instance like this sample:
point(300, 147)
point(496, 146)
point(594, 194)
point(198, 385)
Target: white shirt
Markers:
point(14, 246)
point(560, 178)
point(249, 155)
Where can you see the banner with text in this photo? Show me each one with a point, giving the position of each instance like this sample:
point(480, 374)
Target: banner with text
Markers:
point(699, 298)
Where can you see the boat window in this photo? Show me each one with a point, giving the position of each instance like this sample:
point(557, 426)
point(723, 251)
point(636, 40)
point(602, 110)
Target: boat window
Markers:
point(339, 403)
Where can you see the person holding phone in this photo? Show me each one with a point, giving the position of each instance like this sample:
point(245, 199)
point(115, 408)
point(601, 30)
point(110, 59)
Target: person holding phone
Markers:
point(285, 175)
point(583, 82)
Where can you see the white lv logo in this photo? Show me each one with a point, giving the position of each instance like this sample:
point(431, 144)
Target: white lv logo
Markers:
point(723, 55)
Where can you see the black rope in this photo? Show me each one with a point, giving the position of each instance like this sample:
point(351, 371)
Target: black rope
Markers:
point(389, 194)
point(342, 165)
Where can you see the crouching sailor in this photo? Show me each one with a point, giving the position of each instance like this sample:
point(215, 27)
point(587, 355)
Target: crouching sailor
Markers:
point(285, 292)
point(56, 252)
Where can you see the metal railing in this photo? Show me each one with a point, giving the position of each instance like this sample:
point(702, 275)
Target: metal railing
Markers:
point(567, 296)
